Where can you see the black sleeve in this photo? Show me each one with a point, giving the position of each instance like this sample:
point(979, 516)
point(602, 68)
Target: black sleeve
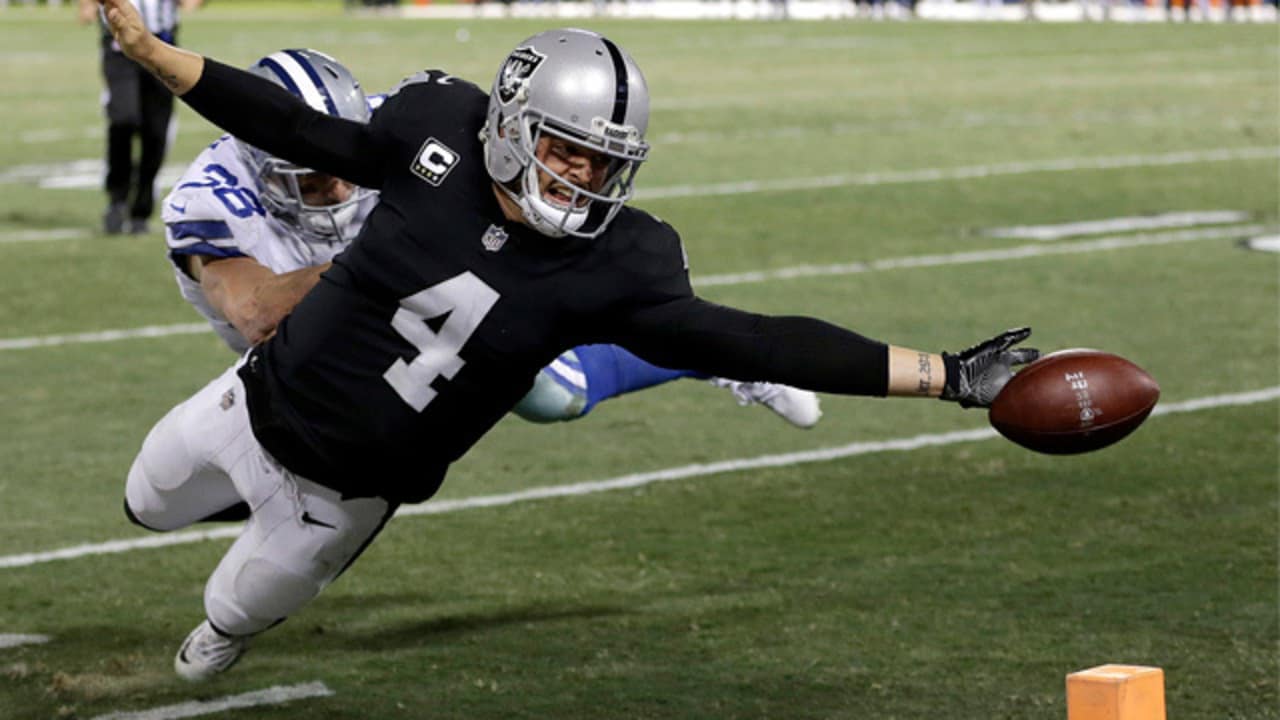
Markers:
point(269, 117)
point(691, 333)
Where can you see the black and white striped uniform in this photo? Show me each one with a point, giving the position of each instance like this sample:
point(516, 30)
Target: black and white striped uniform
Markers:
point(137, 104)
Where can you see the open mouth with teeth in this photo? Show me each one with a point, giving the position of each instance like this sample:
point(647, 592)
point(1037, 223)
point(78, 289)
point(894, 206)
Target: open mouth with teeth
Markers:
point(562, 196)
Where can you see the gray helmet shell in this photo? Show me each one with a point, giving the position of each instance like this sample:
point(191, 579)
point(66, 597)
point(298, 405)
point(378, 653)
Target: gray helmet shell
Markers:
point(326, 86)
point(580, 86)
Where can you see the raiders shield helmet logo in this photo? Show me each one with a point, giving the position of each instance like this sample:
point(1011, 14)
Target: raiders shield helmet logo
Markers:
point(516, 71)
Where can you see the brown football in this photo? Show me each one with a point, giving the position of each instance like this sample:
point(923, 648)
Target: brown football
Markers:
point(1074, 401)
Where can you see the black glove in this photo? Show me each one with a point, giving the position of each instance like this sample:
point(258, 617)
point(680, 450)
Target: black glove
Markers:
point(975, 376)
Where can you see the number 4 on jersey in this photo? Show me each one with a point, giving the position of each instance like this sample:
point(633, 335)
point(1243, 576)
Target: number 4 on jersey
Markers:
point(466, 299)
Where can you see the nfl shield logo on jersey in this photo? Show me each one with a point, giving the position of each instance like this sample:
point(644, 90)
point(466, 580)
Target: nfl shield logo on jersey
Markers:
point(494, 238)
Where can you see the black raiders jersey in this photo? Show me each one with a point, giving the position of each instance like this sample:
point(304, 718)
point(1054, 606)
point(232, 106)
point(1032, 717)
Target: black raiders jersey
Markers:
point(434, 323)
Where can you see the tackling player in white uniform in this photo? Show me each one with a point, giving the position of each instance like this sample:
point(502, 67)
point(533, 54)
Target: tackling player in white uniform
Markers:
point(214, 214)
point(249, 234)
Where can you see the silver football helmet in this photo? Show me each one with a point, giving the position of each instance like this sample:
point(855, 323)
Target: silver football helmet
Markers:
point(580, 87)
point(325, 85)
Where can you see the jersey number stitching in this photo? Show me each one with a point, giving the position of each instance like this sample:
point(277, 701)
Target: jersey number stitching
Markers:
point(465, 299)
point(239, 201)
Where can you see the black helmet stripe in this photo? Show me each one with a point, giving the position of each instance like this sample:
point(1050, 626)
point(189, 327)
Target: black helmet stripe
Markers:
point(620, 76)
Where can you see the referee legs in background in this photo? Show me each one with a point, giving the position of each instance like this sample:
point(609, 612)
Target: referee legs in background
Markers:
point(137, 104)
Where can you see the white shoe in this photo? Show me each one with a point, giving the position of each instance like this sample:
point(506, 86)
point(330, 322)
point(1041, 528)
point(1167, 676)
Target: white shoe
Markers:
point(796, 406)
point(206, 652)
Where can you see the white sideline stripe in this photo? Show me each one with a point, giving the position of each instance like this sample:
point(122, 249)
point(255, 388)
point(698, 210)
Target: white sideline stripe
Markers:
point(8, 641)
point(271, 696)
point(43, 235)
point(168, 176)
point(1120, 224)
point(1021, 252)
point(47, 135)
point(148, 331)
point(626, 481)
point(894, 177)
point(788, 459)
point(800, 271)
point(88, 173)
point(1266, 243)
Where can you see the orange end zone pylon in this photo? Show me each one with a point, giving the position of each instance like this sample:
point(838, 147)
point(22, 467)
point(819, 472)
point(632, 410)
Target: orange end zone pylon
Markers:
point(1116, 692)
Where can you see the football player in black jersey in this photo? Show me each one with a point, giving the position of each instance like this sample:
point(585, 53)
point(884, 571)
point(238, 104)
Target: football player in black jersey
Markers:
point(501, 236)
point(249, 234)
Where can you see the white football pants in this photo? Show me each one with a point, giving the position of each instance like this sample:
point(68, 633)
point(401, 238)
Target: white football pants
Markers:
point(201, 458)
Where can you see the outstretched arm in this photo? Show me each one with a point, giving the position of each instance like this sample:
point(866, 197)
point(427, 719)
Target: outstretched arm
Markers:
point(816, 355)
point(252, 108)
point(178, 69)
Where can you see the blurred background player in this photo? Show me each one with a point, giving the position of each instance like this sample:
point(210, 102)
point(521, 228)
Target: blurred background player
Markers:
point(136, 105)
point(249, 234)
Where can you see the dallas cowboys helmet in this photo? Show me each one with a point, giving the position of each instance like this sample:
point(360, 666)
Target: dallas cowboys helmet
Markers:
point(578, 86)
point(325, 85)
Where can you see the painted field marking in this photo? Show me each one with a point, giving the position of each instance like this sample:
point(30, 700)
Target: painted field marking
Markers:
point(1022, 252)
point(9, 640)
point(149, 331)
point(1120, 224)
point(43, 235)
point(971, 172)
point(48, 135)
point(86, 179)
point(34, 173)
point(902, 125)
point(1265, 243)
point(275, 695)
point(438, 507)
point(87, 174)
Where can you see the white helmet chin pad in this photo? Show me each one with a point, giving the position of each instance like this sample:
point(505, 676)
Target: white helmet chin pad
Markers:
point(544, 216)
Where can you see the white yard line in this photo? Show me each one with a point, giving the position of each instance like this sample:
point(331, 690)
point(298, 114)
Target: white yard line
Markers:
point(43, 235)
point(90, 179)
point(971, 172)
point(1162, 221)
point(87, 174)
point(149, 331)
point(683, 472)
point(51, 135)
point(1265, 243)
point(271, 696)
point(1021, 252)
point(8, 641)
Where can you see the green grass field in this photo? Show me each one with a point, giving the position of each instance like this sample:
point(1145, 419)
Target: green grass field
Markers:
point(948, 582)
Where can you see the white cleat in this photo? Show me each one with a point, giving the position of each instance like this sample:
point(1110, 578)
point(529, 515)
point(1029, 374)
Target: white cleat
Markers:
point(796, 406)
point(206, 653)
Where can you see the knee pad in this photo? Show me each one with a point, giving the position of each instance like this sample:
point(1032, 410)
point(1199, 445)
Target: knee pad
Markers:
point(559, 392)
point(143, 500)
point(260, 595)
point(128, 513)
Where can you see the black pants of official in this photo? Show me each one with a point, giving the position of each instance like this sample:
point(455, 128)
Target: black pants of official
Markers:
point(137, 105)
